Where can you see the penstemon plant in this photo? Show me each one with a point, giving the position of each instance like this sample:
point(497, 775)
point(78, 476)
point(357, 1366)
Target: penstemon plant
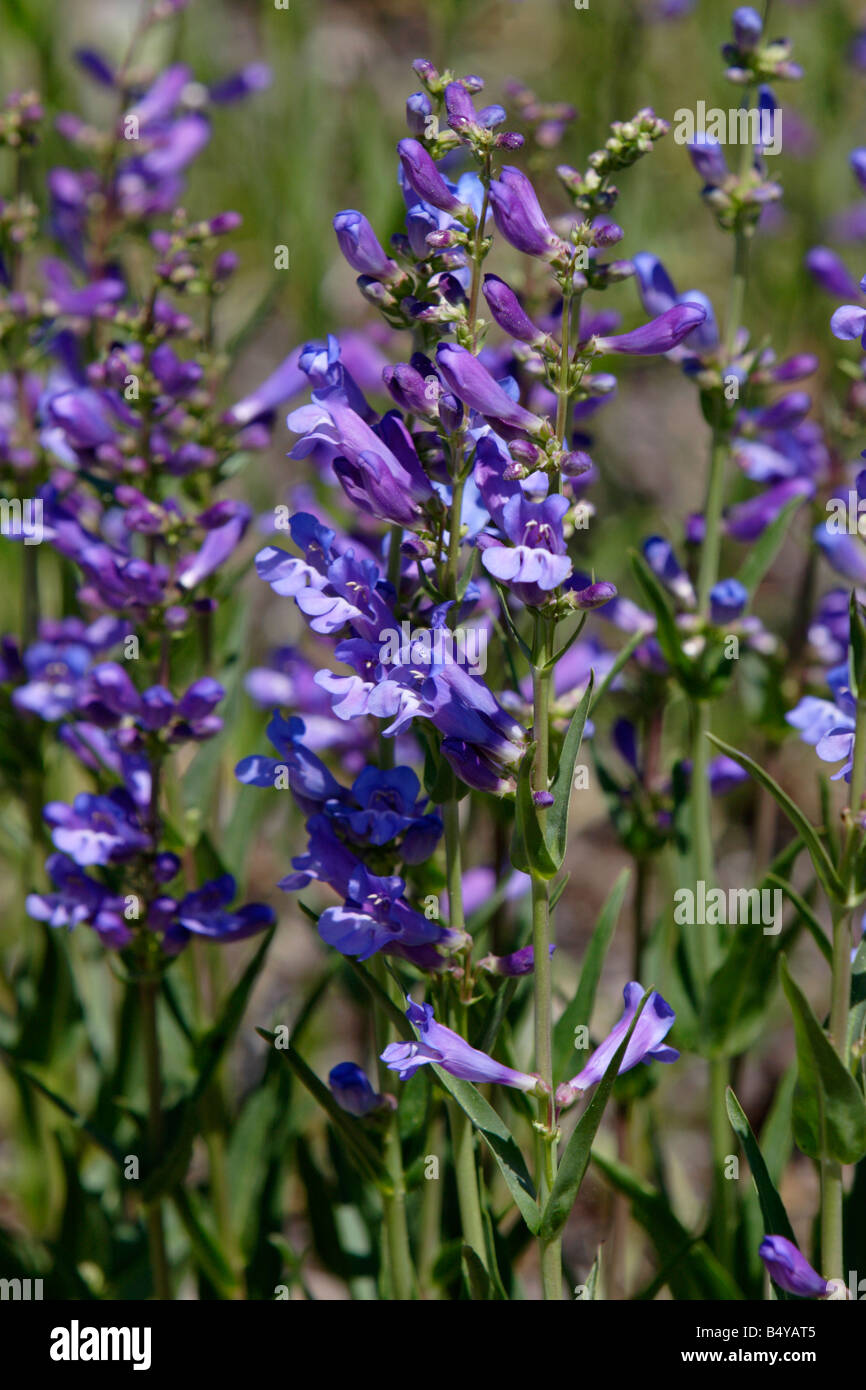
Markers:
point(462, 654)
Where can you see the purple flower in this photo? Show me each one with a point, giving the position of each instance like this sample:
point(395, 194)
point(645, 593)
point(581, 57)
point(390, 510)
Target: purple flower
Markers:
point(849, 322)
point(658, 294)
point(225, 523)
point(359, 245)
point(378, 467)
point(728, 598)
point(351, 1089)
point(509, 312)
point(831, 273)
point(747, 26)
point(536, 562)
point(54, 678)
point(747, 520)
point(97, 829)
point(659, 335)
point(77, 899)
point(452, 1053)
point(205, 912)
point(471, 382)
point(829, 725)
point(789, 1269)
point(706, 155)
point(520, 962)
point(422, 175)
point(659, 555)
point(376, 917)
point(518, 215)
point(255, 77)
point(288, 380)
point(646, 1045)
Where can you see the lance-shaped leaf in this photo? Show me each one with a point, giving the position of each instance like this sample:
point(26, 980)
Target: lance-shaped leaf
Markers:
point(529, 849)
point(820, 858)
point(735, 1005)
point(688, 1266)
point(668, 636)
point(556, 826)
point(499, 1139)
point(829, 1110)
point(776, 1221)
point(762, 554)
point(857, 1015)
point(363, 1152)
point(579, 1011)
point(857, 647)
point(575, 1160)
point(806, 915)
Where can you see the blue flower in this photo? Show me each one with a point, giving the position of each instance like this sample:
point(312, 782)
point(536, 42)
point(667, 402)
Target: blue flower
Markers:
point(377, 917)
point(448, 1050)
point(646, 1044)
point(351, 1089)
point(789, 1269)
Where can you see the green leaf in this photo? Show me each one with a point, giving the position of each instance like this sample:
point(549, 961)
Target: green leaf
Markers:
point(381, 999)
point(806, 915)
point(558, 889)
point(365, 1155)
point(857, 648)
point(829, 1110)
point(667, 633)
point(688, 1266)
point(509, 622)
point(205, 1249)
point(499, 1139)
point(623, 656)
point(820, 858)
point(556, 828)
point(762, 554)
point(575, 1160)
point(579, 1011)
point(212, 1047)
point(529, 849)
point(100, 1139)
point(477, 1278)
point(857, 1015)
point(590, 1288)
point(776, 1221)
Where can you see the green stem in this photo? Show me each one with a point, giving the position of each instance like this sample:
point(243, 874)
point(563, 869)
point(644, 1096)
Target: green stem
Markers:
point(708, 571)
point(563, 393)
point(431, 1208)
point(399, 1255)
point(156, 1236)
point(722, 1215)
point(453, 863)
point(832, 1244)
point(477, 256)
point(550, 1251)
point(466, 1175)
point(832, 1247)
